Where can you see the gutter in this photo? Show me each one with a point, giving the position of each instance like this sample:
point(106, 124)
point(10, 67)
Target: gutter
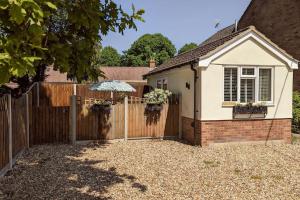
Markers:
point(194, 124)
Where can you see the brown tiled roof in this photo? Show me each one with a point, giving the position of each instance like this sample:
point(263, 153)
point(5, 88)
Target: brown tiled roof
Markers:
point(196, 53)
point(220, 34)
point(111, 73)
point(53, 76)
point(125, 73)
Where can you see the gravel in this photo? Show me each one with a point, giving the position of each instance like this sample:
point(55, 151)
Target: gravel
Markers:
point(155, 170)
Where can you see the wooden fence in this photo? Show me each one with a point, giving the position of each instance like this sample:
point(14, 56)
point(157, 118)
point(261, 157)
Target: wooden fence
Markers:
point(15, 121)
point(46, 114)
point(96, 125)
point(58, 94)
point(4, 130)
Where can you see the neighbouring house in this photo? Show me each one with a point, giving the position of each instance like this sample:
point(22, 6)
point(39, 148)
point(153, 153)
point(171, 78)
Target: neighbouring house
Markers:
point(279, 20)
point(131, 75)
point(219, 79)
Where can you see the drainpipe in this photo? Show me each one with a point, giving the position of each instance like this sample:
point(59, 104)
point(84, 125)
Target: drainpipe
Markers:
point(194, 124)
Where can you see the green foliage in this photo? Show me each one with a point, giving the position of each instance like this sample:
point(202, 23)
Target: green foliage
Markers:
point(109, 56)
point(187, 47)
point(157, 96)
point(37, 33)
point(21, 35)
point(149, 46)
point(296, 112)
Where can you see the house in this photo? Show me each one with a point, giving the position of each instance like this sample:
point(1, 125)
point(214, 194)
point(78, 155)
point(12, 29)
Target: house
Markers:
point(131, 75)
point(279, 20)
point(240, 68)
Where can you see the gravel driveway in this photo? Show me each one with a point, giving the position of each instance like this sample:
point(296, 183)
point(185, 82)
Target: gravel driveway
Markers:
point(155, 170)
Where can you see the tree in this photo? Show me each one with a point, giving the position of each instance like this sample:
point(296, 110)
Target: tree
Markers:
point(109, 56)
point(149, 46)
point(187, 47)
point(36, 33)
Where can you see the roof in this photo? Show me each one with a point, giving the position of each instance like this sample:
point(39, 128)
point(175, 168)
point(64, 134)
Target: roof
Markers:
point(133, 74)
point(220, 34)
point(125, 73)
point(194, 54)
point(211, 48)
point(55, 76)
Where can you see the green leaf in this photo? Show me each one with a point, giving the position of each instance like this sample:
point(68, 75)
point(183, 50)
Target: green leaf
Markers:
point(50, 5)
point(4, 5)
point(17, 14)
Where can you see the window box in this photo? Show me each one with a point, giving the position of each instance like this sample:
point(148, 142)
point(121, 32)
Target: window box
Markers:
point(250, 109)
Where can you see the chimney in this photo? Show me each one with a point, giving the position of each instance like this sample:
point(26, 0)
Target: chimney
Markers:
point(152, 63)
point(235, 26)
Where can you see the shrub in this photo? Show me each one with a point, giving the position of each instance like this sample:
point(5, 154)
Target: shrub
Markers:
point(296, 112)
point(157, 96)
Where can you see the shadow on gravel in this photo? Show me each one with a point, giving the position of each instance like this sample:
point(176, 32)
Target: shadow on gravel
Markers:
point(54, 172)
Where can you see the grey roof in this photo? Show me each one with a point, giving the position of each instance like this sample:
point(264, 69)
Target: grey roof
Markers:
point(196, 53)
point(220, 34)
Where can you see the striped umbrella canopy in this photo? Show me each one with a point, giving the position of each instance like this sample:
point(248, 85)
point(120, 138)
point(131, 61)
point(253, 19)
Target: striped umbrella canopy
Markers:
point(112, 86)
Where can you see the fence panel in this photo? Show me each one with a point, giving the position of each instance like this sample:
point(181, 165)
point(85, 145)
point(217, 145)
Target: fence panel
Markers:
point(96, 125)
point(4, 160)
point(50, 125)
point(55, 94)
point(158, 124)
point(19, 135)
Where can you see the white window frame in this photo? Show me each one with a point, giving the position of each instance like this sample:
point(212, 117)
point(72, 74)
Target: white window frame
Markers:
point(159, 80)
point(255, 77)
point(162, 82)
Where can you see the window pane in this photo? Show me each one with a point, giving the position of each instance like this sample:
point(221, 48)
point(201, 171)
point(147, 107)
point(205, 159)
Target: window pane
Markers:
point(230, 84)
point(165, 84)
point(248, 71)
point(158, 84)
point(265, 84)
point(247, 90)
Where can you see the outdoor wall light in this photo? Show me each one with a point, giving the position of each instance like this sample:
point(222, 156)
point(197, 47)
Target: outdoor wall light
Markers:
point(188, 85)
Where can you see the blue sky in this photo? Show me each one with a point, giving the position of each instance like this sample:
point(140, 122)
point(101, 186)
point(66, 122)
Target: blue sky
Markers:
point(182, 21)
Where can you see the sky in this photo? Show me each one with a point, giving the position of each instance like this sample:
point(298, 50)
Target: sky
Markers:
point(182, 21)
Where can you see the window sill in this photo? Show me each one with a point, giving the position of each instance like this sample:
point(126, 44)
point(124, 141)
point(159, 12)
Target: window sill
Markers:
point(232, 104)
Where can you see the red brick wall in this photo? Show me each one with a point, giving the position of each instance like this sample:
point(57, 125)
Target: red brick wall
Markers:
point(238, 130)
point(279, 20)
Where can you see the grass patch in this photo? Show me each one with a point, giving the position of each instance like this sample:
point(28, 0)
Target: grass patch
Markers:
point(237, 171)
point(295, 139)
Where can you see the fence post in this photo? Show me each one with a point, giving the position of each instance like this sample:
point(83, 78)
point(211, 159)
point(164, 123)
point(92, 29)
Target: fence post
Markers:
point(10, 132)
point(38, 94)
point(179, 116)
point(126, 118)
point(27, 119)
point(73, 119)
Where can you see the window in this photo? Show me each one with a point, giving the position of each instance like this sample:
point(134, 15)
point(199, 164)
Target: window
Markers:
point(247, 84)
point(162, 84)
point(265, 80)
point(230, 84)
point(165, 84)
point(159, 84)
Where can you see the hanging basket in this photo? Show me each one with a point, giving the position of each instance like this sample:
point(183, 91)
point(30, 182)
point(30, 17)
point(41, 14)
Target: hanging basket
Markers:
point(105, 108)
point(154, 107)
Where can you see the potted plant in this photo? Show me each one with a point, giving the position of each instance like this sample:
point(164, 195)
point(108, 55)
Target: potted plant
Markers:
point(156, 98)
point(250, 108)
point(101, 105)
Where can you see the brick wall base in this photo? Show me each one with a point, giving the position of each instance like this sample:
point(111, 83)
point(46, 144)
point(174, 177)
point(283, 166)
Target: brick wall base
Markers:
point(237, 130)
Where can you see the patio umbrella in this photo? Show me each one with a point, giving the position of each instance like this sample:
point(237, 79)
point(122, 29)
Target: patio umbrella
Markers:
point(112, 86)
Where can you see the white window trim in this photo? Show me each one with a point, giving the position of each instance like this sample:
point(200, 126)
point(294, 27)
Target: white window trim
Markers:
point(162, 82)
point(239, 73)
